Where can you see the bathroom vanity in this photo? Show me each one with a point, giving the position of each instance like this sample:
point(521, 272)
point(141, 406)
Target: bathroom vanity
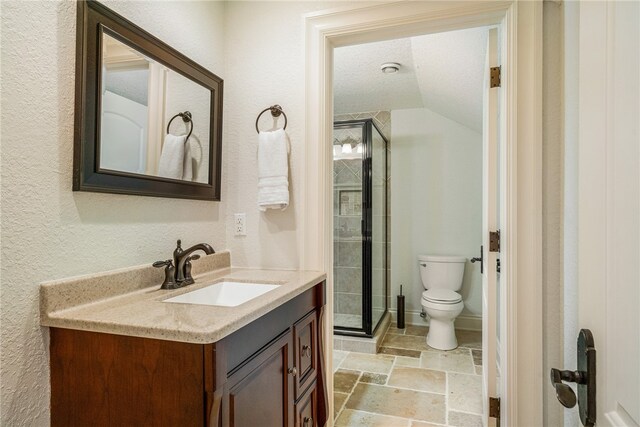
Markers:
point(128, 357)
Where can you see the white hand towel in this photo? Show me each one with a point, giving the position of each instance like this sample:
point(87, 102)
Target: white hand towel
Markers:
point(187, 173)
point(171, 163)
point(273, 170)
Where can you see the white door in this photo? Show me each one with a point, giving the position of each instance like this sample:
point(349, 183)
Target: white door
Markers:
point(489, 223)
point(609, 203)
point(123, 141)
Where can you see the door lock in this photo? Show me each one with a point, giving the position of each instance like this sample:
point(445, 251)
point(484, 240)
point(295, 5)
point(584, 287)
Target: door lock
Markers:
point(584, 377)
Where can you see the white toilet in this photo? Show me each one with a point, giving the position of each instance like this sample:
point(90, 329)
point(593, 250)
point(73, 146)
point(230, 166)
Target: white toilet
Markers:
point(442, 278)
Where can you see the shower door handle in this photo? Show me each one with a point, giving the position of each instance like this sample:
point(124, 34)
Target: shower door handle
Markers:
point(481, 259)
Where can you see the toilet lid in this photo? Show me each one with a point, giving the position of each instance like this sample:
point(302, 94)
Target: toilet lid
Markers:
point(442, 296)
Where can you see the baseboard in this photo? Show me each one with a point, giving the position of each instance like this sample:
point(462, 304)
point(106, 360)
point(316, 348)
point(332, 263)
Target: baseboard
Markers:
point(464, 322)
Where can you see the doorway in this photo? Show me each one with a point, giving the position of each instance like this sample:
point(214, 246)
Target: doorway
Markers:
point(429, 123)
point(521, 382)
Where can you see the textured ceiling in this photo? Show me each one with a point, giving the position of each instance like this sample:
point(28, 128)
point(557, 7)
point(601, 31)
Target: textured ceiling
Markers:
point(442, 72)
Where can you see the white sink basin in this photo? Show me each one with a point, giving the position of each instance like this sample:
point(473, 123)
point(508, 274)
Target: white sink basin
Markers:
point(228, 294)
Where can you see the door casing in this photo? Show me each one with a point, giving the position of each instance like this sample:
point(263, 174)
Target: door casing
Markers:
point(521, 381)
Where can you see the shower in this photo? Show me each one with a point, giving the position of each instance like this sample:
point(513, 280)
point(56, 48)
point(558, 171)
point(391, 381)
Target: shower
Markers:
point(360, 227)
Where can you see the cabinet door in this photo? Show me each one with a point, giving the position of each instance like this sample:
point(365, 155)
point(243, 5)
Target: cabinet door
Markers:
point(260, 391)
point(306, 409)
point(305, 335)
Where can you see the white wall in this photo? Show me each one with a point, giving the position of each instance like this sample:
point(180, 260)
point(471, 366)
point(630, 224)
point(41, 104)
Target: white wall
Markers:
point(265, 66)
point(436, 201)
point(48, 231)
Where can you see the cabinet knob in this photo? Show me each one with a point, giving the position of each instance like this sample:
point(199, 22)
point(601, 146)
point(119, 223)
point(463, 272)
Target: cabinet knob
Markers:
point(307, 422)
point(306, 351)
point(293, 371)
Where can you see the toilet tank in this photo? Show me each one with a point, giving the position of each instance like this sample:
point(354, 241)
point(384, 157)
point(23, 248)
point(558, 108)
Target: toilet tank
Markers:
point(441, 272)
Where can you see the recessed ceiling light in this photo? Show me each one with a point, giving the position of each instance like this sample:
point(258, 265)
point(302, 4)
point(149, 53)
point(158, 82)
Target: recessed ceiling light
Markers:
point(390, 67)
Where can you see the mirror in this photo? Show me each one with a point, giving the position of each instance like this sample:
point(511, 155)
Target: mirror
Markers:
point(139, 98)
point(148, 119)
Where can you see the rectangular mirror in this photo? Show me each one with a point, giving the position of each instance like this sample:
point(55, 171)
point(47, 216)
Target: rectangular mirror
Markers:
point(148, 119)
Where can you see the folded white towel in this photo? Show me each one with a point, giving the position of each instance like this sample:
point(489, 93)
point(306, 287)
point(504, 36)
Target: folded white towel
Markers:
point(171, 163)
point(187, 170)
point(273, 170)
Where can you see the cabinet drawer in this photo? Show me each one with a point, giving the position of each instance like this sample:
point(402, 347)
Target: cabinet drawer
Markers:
point(305, 335)
point(306, 409)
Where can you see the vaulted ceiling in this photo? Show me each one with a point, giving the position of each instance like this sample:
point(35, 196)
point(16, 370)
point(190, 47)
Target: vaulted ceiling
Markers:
point(443, 72)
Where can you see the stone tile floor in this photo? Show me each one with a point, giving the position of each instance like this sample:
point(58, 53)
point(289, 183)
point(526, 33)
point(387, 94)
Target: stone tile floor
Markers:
point(409, 384)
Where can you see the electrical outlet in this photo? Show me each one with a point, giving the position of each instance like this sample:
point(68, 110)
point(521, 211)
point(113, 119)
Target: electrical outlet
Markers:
point(239, 224)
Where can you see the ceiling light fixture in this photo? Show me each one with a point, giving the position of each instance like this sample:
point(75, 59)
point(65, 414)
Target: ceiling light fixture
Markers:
point(390, 67)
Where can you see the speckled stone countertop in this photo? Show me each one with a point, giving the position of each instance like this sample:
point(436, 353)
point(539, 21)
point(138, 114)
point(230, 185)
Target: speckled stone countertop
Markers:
point(130, 301)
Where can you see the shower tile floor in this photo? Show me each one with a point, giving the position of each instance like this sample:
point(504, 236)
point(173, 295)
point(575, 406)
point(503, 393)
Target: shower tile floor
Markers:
point(409, 384)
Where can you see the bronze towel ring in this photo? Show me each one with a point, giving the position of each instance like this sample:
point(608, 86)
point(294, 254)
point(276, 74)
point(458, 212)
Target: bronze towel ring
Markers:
point(186, 117)
point(276, 110)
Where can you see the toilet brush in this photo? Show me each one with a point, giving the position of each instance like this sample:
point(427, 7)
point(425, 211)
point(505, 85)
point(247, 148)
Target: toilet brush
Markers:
point(400, 310)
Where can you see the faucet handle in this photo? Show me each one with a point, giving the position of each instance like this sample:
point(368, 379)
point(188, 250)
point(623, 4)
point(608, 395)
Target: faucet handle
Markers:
point(188, 278)
point(169, 274)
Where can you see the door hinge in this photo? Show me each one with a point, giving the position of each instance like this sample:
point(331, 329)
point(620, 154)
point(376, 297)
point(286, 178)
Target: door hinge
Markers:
point(494, 408)
point(494, 241)
point(494, 77)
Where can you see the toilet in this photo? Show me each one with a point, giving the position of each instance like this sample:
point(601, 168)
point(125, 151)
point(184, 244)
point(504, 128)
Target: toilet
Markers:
point(442, 278)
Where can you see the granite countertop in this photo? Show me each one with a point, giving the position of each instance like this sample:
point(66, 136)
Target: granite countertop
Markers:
point(130, 301)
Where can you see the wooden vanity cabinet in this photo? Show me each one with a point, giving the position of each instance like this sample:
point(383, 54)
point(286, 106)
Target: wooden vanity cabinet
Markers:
point(268, 373)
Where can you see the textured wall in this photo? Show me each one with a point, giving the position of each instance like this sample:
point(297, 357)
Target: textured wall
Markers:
point(50, 232)
point(437, 201)
point(265, 65)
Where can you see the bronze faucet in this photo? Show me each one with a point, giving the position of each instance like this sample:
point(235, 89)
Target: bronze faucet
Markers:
point(177, 272)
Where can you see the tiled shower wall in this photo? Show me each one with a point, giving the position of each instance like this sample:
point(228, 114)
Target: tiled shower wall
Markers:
point(347, 213)
point(347, 216)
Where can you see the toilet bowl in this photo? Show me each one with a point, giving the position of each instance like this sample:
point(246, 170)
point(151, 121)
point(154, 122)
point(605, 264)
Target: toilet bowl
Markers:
point(442, 278)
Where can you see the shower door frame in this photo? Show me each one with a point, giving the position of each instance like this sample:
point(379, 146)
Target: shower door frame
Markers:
point(366, 230)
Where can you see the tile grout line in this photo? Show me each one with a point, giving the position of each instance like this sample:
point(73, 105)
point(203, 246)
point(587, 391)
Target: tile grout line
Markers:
point(466, 412)
point(446, 397)
point(406, 388)
point(410, 420)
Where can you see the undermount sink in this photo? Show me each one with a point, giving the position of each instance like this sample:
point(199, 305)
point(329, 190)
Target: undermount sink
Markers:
point(227, 294)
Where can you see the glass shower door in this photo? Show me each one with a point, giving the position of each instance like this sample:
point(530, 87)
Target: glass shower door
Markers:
point(360, 227)
point(378, 183)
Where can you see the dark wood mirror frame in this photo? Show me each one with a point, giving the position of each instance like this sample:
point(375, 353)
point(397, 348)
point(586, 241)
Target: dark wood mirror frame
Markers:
point(93, 20)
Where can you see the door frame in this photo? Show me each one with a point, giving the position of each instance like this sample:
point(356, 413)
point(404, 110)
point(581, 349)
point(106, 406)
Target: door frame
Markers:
point(522, 376)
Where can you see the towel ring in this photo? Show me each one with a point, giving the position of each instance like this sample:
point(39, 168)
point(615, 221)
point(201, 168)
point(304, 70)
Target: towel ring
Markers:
point(276, 110)
point(186, 117)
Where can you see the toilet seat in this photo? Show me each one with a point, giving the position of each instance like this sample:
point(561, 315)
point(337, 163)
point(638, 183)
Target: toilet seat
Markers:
point(441, 296)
